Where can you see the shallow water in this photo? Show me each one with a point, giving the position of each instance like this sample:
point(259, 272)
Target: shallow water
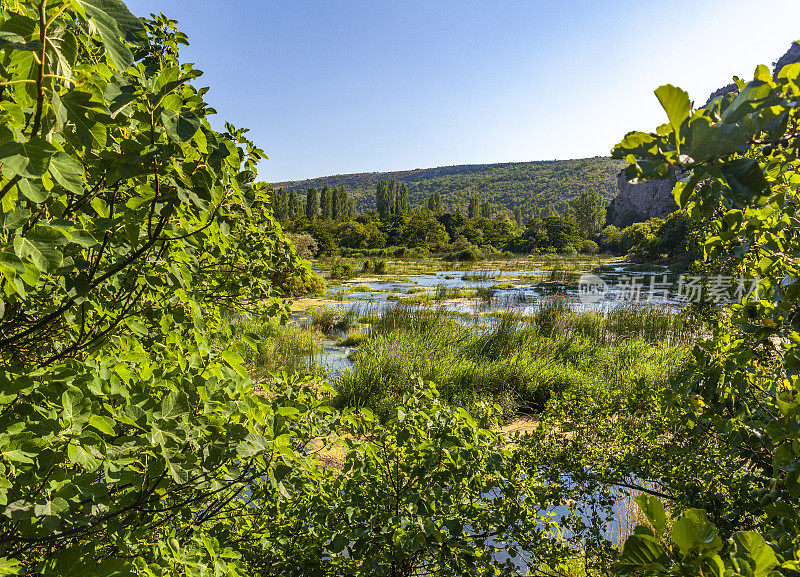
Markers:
point(625, 284)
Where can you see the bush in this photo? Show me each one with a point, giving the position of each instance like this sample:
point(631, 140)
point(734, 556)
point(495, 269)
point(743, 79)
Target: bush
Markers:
point(302, 281)
point(569, 250)
point(379, 267)
point(305, 245)
point(590, 247)
point(467, 255)
point(342, 270)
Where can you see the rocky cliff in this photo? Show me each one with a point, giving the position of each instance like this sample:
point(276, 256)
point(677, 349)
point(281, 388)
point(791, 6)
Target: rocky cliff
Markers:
point(641, 201)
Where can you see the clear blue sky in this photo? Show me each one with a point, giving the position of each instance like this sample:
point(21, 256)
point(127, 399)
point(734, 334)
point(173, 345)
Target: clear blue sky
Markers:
point(331, 87)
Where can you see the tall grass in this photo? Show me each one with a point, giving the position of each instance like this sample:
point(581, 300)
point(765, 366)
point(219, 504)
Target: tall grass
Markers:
point(330, 319)
point(289, 347)
point(517, 363)
point(629, 321)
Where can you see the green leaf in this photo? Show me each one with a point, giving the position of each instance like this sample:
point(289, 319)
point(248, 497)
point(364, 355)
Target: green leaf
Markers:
point(16, 218)
point(744, 176)
point(752, 547)
point(745, 101)
point(10, 566)
point(51, 508)
point(173, 405)
point(67, 172)
point(178, 473)
point(692, 532)
point(642, 552)
point(43, 256)
point(252, 445)
point(33, 189)
point(653, 510)
point(115, 24)
point(27, 159)
point(9, 39)
point(80, 456)
point(339, 542)
point(102, 425)
point(675, 102)
point(62, 51)
point(236, 362)
point(87, 116)
point(180, 127)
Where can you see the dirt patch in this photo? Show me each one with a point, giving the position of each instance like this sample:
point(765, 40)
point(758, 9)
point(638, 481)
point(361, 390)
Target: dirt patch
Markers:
point(521, 426)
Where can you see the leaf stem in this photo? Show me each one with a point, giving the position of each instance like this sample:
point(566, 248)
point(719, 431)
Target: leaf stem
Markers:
point(57, 14)
point(25, 81)
point(37, 119)
point(56, 76)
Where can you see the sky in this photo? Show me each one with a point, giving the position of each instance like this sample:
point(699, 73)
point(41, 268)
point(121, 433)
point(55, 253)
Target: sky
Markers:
point(340, 86)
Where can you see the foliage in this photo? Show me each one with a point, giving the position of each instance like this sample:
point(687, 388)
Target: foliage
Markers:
point(589, 212)
point(523, 185)
point(738, 407)
point(516, 363)
point(342, 270)
point(454, 499)
point(299, 281)
point(131, 229)
point(305, 245)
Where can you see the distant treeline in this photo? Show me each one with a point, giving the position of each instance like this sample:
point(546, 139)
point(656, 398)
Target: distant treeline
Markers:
point(325, 222)
point(519, 186)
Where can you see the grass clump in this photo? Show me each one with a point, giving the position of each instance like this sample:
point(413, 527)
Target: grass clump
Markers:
point(330, 319)
point(342, 270)
point(281, 347)
point(512, 363)
point(353, 339)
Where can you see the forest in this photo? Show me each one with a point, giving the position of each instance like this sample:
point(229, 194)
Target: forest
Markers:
point(154, 422)
point(522, 185)
point(320, 228)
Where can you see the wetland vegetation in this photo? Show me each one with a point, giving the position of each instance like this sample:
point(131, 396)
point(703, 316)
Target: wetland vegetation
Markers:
point(165, 411)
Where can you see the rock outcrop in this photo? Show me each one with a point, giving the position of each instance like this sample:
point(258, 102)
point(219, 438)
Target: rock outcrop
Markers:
point(641, 201)
point(645, 200)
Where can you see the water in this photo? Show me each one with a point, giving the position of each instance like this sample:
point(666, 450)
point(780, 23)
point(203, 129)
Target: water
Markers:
point(625, 283)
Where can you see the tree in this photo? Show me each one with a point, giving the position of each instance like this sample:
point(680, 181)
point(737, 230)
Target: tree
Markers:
point(738, 403)
point(132, 230)
point(518, 216)
point(383, 200)
point(589, 212)
point(435, 202)
point(295, 205)
point(404, 205)
point(312, 204)
point(549, 210)
point(280, 204)
point(326, 202)
point(472, 208)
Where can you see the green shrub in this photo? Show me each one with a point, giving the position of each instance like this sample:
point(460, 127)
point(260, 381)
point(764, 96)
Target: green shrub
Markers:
point(590, 247)
point(379, 267)
point(302, 281)
point(342, 270)
point(467, 255)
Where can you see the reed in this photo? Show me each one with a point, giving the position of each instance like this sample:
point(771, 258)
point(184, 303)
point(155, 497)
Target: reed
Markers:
point(516, 362)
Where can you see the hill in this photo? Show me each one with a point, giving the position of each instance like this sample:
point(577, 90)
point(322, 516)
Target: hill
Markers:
point(505, 185)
